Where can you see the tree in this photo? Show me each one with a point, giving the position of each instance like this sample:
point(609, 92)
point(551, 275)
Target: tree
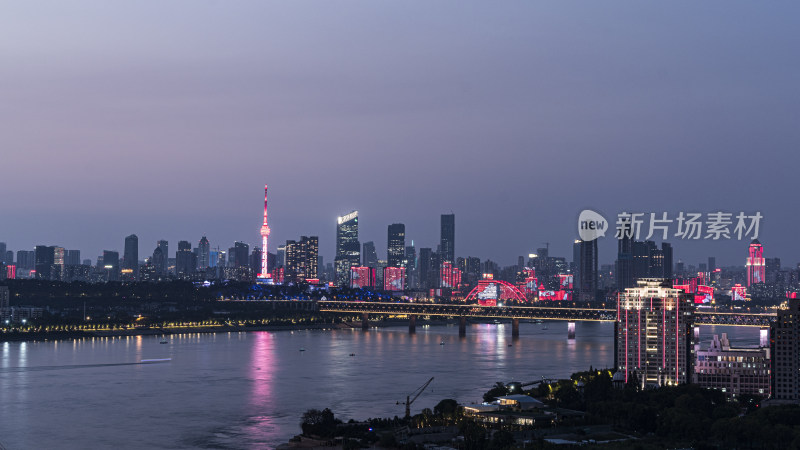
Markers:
point(319, 423)
point(498, 390)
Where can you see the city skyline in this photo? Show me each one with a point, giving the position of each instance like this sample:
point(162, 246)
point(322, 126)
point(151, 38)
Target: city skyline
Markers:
point(544, 111)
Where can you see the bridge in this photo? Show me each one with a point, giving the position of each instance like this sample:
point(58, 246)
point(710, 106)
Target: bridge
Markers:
point(515, 313)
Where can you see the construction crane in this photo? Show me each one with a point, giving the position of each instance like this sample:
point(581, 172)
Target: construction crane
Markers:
point(415, 394)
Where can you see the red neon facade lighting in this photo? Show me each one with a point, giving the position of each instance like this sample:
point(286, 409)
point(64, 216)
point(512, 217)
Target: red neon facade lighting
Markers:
point(755, 264)
point(394, 278)
point(362, 277)
point(489, 291)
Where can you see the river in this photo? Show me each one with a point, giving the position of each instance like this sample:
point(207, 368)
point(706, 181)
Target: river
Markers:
point(249, 390)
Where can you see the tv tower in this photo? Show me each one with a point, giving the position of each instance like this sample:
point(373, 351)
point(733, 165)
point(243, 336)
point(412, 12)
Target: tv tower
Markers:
point(264, 237)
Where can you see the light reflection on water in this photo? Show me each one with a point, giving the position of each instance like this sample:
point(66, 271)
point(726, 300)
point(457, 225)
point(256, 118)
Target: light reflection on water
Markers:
point(249, 390)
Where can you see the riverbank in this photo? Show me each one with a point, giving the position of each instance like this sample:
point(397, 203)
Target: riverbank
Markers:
point(81, 334)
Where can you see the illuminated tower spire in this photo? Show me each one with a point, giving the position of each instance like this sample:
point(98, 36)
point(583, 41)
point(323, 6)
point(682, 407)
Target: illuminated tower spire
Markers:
point(264, 237)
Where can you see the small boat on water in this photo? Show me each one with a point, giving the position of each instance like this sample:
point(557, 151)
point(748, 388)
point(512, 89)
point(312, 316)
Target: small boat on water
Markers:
point(302, 349)
point(164, 341)
point(352, 354)
point(544, 327)
point(441, 343)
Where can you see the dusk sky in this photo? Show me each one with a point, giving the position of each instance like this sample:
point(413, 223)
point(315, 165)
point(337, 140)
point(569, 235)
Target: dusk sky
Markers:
point(166, 119)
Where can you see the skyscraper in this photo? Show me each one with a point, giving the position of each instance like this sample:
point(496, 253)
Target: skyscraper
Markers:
point(348, 248)
point(425, 268)
point(302, 259)
point(370, 255)
point(72, 258)
point(159, 262)
point(447, 240)
point(164, 246)
point(587, 289)
point(241, 254)
point(203, 253)
point(396, 245)
point(264, 240)
point(130, 258)
point(111, 265)
point(184, 260)
point(755, 263)
point(653, 333)
point(44, 261)
point(411, 266)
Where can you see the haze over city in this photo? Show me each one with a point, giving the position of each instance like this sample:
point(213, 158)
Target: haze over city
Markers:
point(166, 119)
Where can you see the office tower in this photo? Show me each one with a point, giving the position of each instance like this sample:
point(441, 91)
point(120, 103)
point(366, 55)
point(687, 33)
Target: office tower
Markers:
point(184, 260)
point(203, 253)
point(44, 261)
point(58, 263)
point(447, 240)
point(395, 254)
point(369, 255)
point(280, 256)
point(785, 334)
point(159, 262)
point(624, 275)
point(264, 271)
point(666, 251)
point(256, 260)
point(3, 250)
point(576, 264)
point(742, 370)
point(411, 266)
point(9, 257)
point(130, 258)
point(653, 334)
point(111, 265)
point(755, 263)
point(348, 249)
point(712, 264)
point(72, 258)
point(424, 268)
point(772, 269)
point(4, 297)
point(241, 254)
point(394, 278)
point(362, 277)
point(587, 289)
point(164, 246)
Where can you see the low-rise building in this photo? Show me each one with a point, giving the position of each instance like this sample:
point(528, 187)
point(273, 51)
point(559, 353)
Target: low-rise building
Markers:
point(734, 371)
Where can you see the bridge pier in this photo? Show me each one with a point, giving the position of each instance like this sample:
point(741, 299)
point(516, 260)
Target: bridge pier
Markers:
point(412, 323)
point(514, 328)
point(571, 331)
point(365, 321)
point(462, 326)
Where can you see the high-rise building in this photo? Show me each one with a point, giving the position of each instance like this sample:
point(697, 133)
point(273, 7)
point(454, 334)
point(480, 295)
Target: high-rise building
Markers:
point(264, 272)
point(44, 261)
point(396, 245)
point(587, 268)
point(772, 269)
point(755, 263)
point(447, 239)
point(369, 255)
point(158, 262)
point(241, 254)
point(280, 256)
point(203, 253)
point(785, 340)
point(256, 260)
point(362, 277)
point(302, 259)
point(394, 278)
point(111, 265)
point(130, 258)
point(654, 333)
point(26, 259)
point(712, 264)
point(184, 260)
point(348, 248)
point(3, 250)
point(411, 266)
point(72, 258)
point(425, 269)
point(164, 263)
point(451, 276)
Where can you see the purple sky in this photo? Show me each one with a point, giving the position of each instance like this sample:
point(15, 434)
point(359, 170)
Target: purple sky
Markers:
point(165, 119)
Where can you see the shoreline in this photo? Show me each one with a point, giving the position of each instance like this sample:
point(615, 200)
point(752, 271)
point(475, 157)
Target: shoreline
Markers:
point(75, 335)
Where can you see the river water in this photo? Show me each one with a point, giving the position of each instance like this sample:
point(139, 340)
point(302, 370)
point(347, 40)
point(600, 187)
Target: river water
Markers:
point(249, 390)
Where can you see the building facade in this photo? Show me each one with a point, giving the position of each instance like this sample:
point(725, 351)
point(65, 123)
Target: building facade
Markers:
point(348, 248)
point(785, 343)
point(755, 265)
point(396, 247)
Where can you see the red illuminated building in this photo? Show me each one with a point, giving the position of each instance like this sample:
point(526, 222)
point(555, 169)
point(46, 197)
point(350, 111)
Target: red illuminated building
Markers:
point(755, 264)
point(362, 277)
point(489, 291)
point(451, 276)
point(738, 293)
point(11, 272)
point(394, 278)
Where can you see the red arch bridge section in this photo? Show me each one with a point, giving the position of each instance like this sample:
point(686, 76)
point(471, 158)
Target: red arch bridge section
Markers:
point(488, 292)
